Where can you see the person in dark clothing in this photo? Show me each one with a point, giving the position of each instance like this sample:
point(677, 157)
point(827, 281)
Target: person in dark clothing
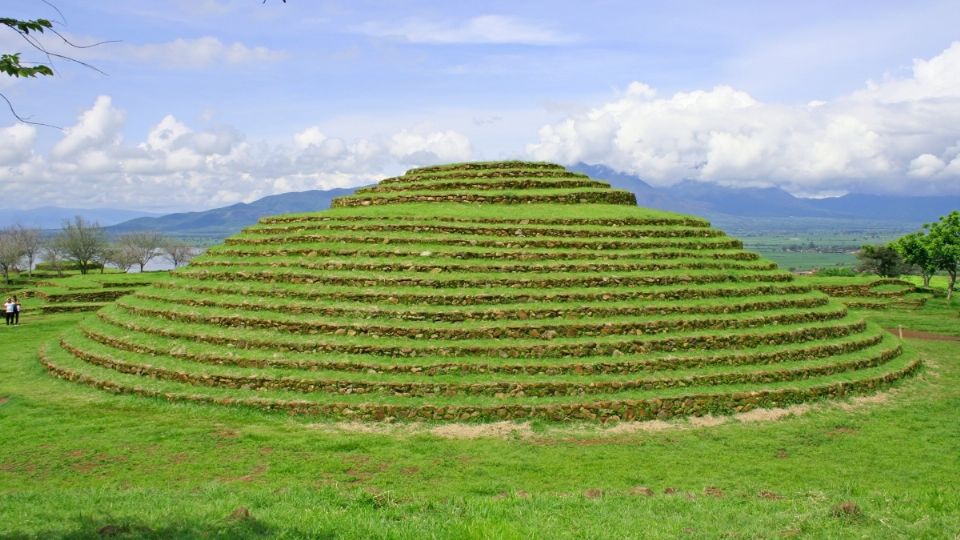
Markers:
point(16, 311)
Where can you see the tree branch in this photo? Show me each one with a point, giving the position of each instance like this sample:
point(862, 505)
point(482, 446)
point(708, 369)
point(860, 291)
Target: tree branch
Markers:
point(51, 55)
point(22, 119)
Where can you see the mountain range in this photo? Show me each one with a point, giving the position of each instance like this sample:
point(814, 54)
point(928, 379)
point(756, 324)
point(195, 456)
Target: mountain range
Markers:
point(52, 217)
point(715, 201)
point(743, 209)
point(222, 222)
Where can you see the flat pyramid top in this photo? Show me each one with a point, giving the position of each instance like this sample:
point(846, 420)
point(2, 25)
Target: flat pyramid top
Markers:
point(500, 182)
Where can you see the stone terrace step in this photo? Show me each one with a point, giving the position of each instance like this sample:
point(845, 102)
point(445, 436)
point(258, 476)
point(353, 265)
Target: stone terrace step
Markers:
point(593, 232)
point(246, 303)
point(633, 405)
point(121, 339)
point(570, 221)
point(435, 265)
point(571, 196)
point(482, 174)
point(517, 348)
point(167, 368)
point(255, 274)
point(481, 296)
point(481, 330)
point(485, 184)
point(336, 250)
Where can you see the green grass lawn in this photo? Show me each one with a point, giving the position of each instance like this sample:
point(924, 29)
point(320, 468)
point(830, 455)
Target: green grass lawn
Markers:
point(77, 462)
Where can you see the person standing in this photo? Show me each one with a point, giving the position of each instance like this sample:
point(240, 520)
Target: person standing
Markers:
point(8, 307)
point(16, 311)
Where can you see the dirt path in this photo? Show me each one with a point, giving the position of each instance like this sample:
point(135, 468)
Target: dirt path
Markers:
point(916, 334)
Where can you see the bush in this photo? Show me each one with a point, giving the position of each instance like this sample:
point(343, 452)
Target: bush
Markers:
point(842, 271)
point(882, 260)
point(64, 267)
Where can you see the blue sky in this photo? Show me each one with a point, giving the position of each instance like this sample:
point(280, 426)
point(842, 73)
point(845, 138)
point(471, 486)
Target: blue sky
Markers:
point(211, 102)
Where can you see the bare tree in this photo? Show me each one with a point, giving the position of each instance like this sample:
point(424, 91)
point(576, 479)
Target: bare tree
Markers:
point(29, 239)
point(82, 241)
point(120, 255)
point(177, 252)
point(53, 255)
point(141, 247)
point(11, 252)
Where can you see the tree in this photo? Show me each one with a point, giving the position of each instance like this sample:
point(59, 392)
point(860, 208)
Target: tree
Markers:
point(177, 252)
point(140, 247)
point(120, 256)
point(914, 249)
point(11, 252)
point(83, 242)
point(881, 260)
point(29, 239)
point(53, 255)
point(944, 244)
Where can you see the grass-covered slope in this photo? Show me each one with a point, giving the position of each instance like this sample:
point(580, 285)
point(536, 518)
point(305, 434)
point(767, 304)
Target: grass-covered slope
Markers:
point(481, 291)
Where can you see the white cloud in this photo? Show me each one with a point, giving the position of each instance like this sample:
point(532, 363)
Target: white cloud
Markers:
point(176, 166)
point(489, 29)
point(926, 165)
point(871, 140)
point(415, 148)
point(936, 78)
point(182, 53)
point(97, 126)
point(200, 53)
point(16, 143)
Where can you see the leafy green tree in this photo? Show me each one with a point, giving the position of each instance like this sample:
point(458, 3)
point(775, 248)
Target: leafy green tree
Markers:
point(914, 249)
point(881, 260)
point(944, 244)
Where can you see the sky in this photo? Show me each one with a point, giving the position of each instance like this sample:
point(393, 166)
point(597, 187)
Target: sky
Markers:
point(204, 103)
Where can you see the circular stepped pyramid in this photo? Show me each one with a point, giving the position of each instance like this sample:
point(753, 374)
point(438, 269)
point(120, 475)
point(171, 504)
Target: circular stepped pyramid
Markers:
point(481, 291)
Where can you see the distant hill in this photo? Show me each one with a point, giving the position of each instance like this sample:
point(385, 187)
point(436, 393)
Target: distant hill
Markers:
point(744, 210)
point(222, 222)
point(51, 217)
point(711, 200)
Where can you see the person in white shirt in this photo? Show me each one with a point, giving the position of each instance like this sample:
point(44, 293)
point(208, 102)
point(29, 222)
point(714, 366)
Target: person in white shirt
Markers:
point(9, 307)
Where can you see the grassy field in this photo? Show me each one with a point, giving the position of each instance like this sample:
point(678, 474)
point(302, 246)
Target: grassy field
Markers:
point(78, 462)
